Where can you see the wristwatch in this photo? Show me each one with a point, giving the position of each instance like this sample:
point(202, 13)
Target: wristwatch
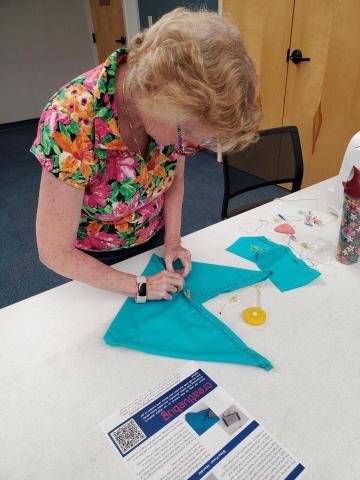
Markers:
point(141, 289)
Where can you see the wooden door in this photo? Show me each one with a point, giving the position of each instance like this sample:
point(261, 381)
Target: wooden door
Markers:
point(320, 97)
point(109, 29)
point(265, 26)
point(323, 95)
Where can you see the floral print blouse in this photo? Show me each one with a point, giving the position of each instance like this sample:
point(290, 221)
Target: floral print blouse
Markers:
point(79, 142)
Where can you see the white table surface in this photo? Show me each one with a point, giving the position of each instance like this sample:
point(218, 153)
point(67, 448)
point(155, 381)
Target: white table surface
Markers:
point(58, 378)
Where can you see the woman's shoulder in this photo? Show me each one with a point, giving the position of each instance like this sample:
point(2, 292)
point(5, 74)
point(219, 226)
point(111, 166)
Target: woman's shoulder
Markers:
point(73, 104)
point(88, 88)
point(81, 87)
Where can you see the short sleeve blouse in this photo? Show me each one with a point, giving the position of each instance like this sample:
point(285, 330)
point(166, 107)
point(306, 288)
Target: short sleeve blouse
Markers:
point(79, 142)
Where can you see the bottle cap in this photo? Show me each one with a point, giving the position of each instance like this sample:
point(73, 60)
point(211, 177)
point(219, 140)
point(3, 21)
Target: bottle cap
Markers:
point(352, 185)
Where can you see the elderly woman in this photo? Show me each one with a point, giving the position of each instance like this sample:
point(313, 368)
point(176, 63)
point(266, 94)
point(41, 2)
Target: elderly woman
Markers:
point(113, 143)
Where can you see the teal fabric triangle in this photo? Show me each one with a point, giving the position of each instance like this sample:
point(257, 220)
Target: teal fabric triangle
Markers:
point(182, 327)
point(287, 270)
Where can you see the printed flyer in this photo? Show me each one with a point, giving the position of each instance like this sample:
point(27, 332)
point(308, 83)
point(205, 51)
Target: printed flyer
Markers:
point(188, 428)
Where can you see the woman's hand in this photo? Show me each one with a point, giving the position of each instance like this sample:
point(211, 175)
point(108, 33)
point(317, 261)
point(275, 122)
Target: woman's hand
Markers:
point(163, 284)
point(174, 251)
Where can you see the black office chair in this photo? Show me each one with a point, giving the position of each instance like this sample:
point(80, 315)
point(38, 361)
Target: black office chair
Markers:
point(274, 160)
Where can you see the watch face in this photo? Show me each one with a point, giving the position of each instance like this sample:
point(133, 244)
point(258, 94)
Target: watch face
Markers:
point(142, 289)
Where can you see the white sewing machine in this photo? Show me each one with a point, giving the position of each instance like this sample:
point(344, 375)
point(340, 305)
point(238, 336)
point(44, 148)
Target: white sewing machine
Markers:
point(351, 157)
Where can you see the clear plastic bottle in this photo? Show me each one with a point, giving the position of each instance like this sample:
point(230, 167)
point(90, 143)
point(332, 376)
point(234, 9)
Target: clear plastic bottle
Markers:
point(348, 248)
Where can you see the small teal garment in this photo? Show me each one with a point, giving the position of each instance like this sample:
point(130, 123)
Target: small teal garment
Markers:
point(287, 270)
point(182, 327)
point(201, 421)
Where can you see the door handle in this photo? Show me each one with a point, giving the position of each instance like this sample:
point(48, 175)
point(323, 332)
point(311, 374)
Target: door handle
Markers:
point(121, 40)
point(296, 56)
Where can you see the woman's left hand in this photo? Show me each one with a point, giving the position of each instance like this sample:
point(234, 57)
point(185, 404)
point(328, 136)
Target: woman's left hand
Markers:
point(174, 251)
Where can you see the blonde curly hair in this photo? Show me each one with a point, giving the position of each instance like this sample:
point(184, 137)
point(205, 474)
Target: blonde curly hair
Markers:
point(192, 65)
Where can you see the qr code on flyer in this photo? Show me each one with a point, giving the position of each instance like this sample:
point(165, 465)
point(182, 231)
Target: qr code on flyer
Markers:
point(127, 436)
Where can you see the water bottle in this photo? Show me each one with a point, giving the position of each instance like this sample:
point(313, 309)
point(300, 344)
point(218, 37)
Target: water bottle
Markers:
point(348, 248)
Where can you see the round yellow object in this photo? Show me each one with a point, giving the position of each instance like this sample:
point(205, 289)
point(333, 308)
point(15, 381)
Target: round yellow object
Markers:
point(254, 315)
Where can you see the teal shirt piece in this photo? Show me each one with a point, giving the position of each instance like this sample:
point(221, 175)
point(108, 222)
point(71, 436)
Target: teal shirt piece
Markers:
point(201, 421)
point(182, 327)
point(287, 270)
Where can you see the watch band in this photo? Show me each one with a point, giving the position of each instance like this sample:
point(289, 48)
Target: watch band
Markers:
point(141, 289)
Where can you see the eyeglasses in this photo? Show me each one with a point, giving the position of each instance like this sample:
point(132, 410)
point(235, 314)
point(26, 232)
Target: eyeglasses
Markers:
point(189, 150)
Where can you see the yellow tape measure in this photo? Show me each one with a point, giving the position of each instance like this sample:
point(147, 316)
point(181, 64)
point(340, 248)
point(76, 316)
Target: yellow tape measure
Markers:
point(254, 316)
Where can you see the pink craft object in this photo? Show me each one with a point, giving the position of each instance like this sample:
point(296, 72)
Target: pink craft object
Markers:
point(284, 228)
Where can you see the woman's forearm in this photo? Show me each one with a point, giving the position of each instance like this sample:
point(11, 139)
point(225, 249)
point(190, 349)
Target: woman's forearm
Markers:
point(77, 265)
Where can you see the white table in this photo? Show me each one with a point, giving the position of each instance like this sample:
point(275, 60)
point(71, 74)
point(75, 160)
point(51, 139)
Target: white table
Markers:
point(58, 379)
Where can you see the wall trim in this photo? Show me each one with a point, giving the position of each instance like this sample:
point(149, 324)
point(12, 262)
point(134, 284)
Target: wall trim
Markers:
point(131, 18)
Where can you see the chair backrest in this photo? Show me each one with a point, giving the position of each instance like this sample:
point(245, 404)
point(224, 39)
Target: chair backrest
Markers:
point(275, 159)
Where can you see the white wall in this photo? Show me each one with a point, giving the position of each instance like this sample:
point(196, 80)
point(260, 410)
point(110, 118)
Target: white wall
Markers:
point(43, 44)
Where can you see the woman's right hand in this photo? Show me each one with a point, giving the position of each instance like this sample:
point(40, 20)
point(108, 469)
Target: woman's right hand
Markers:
point(163, 284)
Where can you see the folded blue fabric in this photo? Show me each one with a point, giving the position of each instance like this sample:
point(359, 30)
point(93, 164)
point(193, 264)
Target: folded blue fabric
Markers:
point(182, 327)
point(201, 421)
point(287, 270)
